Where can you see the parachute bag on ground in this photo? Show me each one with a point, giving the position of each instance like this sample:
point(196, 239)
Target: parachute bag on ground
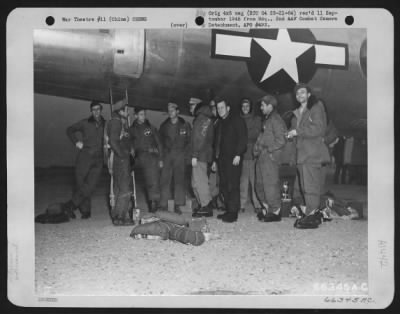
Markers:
point(198, 224)
point(311, 221)
point(186, 236)
point(156, 228)
point(172, 217)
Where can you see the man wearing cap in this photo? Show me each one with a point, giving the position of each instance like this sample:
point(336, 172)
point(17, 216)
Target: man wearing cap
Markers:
point(230, 148)
point(253, 123)
point(175, 135)
point(267, 150)
point(309, 127)
point(201, 153)
point(89, 163)
point(117, 131)
point(149, 155)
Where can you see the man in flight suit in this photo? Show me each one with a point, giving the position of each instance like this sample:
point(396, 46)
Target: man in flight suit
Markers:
point(309, 128)
point(267, 150)
point(213, 180)
point(149, 155)
point(175, 134)
point(202, 153)
point(89, 163)
point(117, 131)
point(253, 124)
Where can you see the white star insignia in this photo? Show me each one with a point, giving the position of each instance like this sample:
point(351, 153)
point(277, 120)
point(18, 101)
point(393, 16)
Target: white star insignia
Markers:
point(284, 53)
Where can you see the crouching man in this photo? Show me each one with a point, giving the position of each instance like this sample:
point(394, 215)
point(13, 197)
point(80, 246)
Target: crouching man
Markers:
point(267, 150)
point(119, 139)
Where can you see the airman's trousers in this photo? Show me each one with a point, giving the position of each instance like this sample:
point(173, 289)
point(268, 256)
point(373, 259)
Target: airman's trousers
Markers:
point(122, 180)
point(88, 169)
point(213, 182)
point(248, 178)
point(267, 181)
point(229, 183)
point(310, 185)
point(149, 163)
point(200, 185)
point(173, 169)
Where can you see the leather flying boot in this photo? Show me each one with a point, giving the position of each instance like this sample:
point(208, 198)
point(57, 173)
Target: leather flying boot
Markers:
point(120, 221)
point(195, 210)
point(203, 212)
point(261, 214)
point(153, 206)
point(230, 217)
point(177, 210)
point(270, 217)
point(85, 215)
point(214, 202)
point(116, 221)
point(69, 208)
point(311, 221)
point(220, 216)
point(211, 205)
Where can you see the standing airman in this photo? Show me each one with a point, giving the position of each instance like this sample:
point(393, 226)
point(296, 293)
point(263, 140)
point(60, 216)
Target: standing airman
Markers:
point(175, 136)
point(89, 163)
point(148, 155)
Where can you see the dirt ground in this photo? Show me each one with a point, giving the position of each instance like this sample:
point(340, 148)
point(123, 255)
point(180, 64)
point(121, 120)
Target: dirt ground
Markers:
point(93, 257)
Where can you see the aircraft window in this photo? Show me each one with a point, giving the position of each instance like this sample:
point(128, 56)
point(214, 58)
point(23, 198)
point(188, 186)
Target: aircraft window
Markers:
point(363, 57)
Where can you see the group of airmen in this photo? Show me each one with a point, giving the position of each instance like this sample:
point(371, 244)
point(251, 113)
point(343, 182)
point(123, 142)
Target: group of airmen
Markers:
point(227, 153)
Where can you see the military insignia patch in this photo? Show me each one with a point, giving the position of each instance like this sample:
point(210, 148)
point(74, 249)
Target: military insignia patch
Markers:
point(147, 132)
point(124, 134)
point(182, 132)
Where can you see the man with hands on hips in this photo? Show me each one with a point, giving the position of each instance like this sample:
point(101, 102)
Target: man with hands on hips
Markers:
point(89, 163)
